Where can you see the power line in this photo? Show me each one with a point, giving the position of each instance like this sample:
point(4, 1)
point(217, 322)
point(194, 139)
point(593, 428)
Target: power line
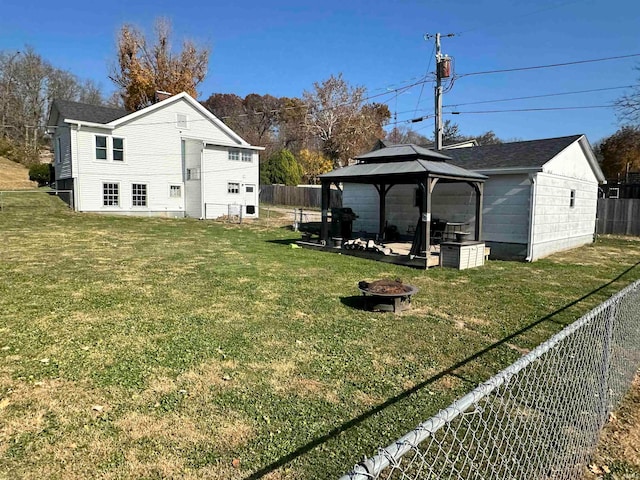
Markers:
point(531, 109)
point(552, 65)
point(540, 96)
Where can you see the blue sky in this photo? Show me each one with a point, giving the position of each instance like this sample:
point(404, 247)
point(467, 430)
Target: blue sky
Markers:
point(282, 47)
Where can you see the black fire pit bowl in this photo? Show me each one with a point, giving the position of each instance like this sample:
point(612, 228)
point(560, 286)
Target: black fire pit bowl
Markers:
point(387, 300)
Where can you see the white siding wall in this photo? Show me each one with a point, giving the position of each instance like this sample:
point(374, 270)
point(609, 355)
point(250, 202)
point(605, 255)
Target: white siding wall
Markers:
point(572, 163)
point(152, 157)
point(219, 171)
point(505, 209)
point(62, 137)
point(451, 202)
point(556, 225)
point(193, 186)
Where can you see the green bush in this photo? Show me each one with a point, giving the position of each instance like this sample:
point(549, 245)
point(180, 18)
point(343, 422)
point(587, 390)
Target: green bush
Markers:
point(39, 172)
point(282, 168)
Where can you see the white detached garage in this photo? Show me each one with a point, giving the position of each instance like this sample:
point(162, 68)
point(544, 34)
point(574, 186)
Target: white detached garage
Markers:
point(541, 195)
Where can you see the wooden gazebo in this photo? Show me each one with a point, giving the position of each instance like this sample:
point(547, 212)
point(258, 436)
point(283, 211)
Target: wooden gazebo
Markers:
point(403, 165)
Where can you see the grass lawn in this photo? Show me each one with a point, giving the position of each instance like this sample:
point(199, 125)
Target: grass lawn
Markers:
point(162, 348)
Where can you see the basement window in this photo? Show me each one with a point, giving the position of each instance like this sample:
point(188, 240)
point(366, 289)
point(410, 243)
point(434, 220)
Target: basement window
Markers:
point(110, 194)
point(139, 195)
point(175, 191)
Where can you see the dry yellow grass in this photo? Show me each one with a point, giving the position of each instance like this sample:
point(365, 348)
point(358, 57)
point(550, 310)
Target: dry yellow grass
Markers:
point(618, 454)
point(14, 176)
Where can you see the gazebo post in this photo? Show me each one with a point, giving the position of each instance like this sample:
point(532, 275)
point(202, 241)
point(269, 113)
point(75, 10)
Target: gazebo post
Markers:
point(382, 194)
point(479, 187)
point(326, 198)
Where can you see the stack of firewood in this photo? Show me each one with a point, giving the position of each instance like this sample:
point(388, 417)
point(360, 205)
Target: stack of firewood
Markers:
point(366, 245)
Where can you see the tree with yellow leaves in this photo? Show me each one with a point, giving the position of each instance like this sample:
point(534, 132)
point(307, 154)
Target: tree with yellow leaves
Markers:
point(143, 69)
point(313, 164)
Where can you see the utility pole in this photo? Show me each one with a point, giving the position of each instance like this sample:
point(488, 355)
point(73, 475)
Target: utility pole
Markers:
point(438, 98)
point(443, 70)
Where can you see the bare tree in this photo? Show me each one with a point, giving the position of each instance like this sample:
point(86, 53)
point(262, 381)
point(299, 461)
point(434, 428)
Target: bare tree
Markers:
point(339, 118)
point(628, 105)
point(143, 68)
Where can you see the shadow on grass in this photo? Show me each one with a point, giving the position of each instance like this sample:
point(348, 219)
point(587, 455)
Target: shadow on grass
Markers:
point(356, 302)
point(407, 393)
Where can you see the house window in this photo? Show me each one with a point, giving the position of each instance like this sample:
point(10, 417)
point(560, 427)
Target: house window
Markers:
point(110, 194)
point(572, 199)
point(233, 188)
point(182, 121)
point(118, 149)
point(234, 155)
point(246, 156)
point(101, 147)
point(139, 195)
point(175, 191)
point(614, 192)
point(193, 174)
point(249, 189)
point(251, 209)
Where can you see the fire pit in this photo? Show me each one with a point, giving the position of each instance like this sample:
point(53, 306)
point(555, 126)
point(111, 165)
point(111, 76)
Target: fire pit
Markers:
point(387, 295)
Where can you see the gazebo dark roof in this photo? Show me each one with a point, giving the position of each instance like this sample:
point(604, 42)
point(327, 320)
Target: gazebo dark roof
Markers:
point(398, 163)
point(366, 172)
point(87, 113)
point(401, 152)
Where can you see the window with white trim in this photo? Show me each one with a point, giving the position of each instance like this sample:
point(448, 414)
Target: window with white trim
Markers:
point(247, 156)
point(193, 173)
point(117, 149)
point(233, 187)
point(110, 194)
point(175, 191)
point(182, 121)
point(139, 195)
point(249, 188)
point(614, 192)
point(572, 199)
point(101, 147)
point(234, 155)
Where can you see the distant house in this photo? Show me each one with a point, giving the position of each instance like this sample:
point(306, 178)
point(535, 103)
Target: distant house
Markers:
point(173, 158)
point(540, 197)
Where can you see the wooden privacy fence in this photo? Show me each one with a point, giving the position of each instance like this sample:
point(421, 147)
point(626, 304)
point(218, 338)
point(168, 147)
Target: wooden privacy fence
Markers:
point(619, 216)
point(297, 196)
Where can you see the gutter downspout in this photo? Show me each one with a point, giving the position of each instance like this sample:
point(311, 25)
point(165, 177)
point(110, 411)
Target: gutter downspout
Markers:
point(203, 205)
point(532, 215)
point(75, 172)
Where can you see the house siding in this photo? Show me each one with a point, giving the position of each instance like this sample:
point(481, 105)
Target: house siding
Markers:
point(153, 156)
point(220, 171)
point(62, 163)
point(556, 225)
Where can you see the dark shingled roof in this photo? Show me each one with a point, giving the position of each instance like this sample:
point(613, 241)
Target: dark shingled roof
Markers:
point(87, 113)
point(401, 152)
point(527, 154)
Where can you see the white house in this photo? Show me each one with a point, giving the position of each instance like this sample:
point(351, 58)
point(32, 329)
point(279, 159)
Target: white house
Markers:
point(173, 158)
point(540, 197)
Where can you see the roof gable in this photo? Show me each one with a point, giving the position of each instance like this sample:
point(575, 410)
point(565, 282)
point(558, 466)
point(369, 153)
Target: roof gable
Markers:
point(530, 154)
point(194, 103)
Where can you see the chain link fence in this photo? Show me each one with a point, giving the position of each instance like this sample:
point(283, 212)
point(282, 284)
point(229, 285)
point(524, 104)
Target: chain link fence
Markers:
point(540, 418)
